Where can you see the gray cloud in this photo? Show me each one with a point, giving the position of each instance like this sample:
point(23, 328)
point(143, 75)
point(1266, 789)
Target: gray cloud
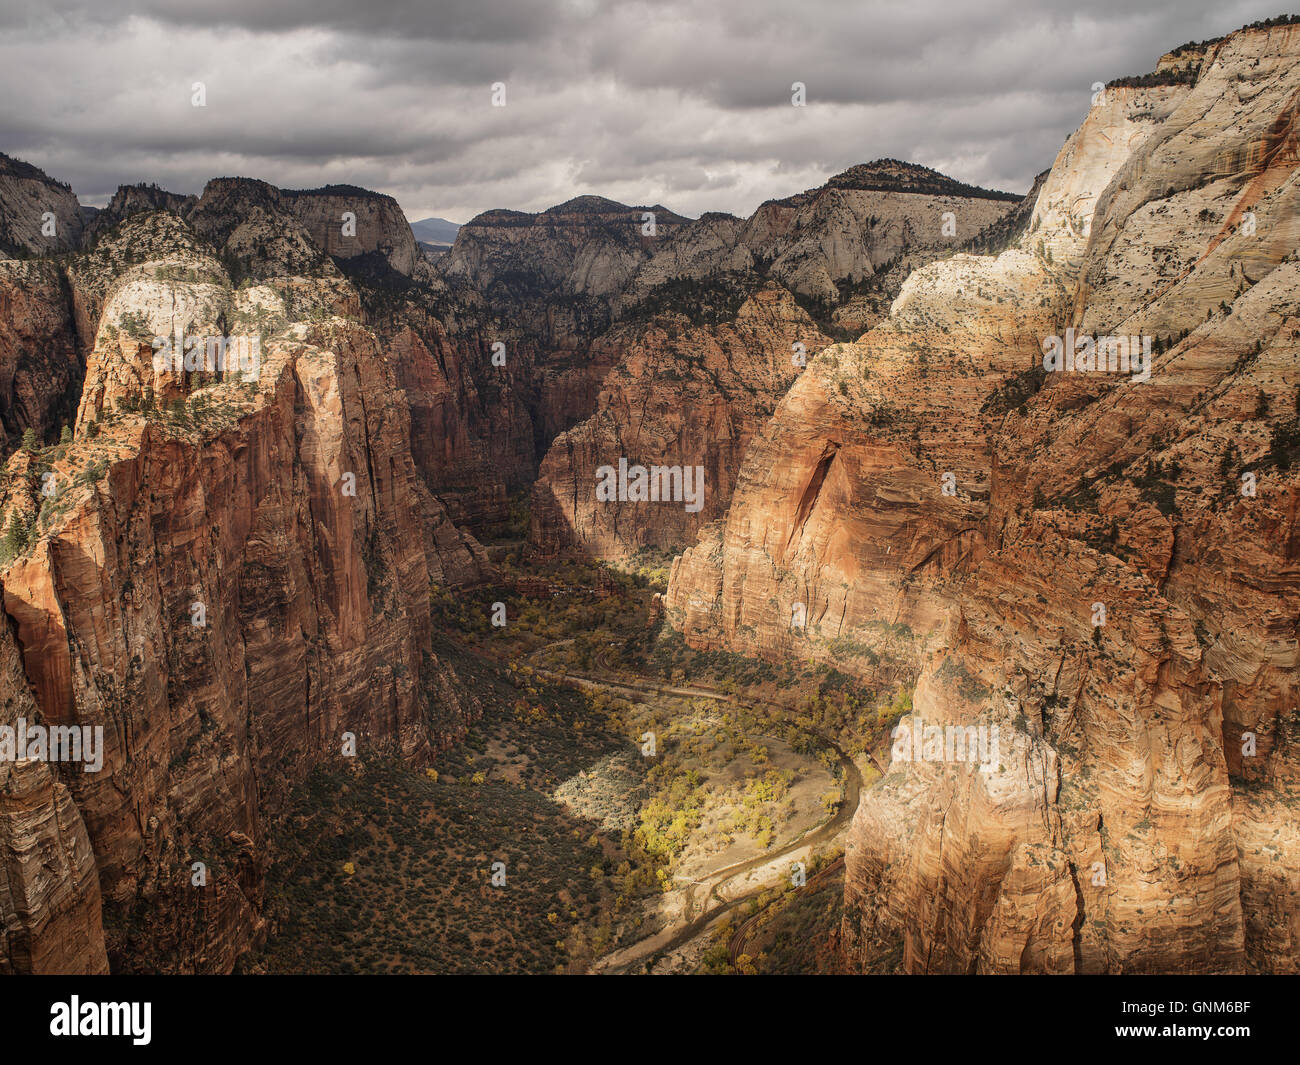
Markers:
point(669, 101)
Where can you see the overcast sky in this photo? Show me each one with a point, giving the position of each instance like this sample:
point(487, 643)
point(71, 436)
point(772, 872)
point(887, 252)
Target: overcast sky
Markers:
point(681, 103)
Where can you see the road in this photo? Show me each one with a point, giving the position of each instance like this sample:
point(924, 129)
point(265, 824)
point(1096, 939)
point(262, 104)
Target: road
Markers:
point(736, 945)
point(670, 939)
point(666, 940)
point(621, 961)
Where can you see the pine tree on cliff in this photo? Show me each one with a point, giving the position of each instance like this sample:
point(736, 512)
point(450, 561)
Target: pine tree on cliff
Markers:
point(14, 541)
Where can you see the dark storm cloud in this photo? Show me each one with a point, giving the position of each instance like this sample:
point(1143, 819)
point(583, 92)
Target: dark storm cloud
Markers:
point(683, 103)
point(487, 21)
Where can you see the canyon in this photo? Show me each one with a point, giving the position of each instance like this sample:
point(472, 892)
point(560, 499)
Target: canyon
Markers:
point(1140, 817)
point(243, 577)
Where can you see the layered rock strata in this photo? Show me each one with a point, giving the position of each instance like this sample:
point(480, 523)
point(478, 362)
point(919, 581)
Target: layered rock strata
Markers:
point(1111, 578)
point(231, 577)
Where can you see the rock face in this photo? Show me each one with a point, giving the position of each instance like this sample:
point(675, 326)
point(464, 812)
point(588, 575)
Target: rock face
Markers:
point(867, 487)
point(40, 364)
point(705, 336)
point(135, 199)
point(262, 230)
point(234, 573)
point(472, 431)
point(49, 887)
point(847, 245)
point(588, 246)
point(538, 292)
point(682, 396)
point(346, 221)
point(37, 214)
point(256, 230)
point(494, 349)
point(1097, 579)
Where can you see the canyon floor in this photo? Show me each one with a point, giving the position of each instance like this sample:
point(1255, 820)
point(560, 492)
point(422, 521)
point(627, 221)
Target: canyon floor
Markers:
point(615, 860)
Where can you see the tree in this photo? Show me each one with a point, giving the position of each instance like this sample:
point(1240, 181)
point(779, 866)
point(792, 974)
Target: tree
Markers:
point(65, 434)
point(29, 439)
point(9, 544)
point(16, 537)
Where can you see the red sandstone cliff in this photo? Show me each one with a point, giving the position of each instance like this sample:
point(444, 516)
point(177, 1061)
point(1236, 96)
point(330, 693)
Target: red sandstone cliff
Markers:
point(681, 396)
point(287, 504)
point(1124, 828)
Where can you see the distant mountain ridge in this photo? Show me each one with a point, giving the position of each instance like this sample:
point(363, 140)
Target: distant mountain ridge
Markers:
point(435, 230)
point(895, 175)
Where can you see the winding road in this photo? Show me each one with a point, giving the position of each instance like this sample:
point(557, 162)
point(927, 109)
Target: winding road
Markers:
point(736, 945)
point(667, 940)
point(675, 937)
point(621, 961)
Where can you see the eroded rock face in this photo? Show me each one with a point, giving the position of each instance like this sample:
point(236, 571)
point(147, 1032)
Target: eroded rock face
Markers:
point(49, 886)
point(472, 422)
point(49, 892)
point(1135, 817)
point(234, 572)
point(587, 246)
point(682, 397)
point(705, 341)
point(495, 349)
point(255, 228)
point(135, 199)
point(865, 491)
point(847, 245)
point(346, 222)
point(40, 366)
point(38, 215)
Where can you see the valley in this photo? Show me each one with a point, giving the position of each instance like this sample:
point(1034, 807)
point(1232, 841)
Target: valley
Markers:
point(615, 591)
point(552, 779)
